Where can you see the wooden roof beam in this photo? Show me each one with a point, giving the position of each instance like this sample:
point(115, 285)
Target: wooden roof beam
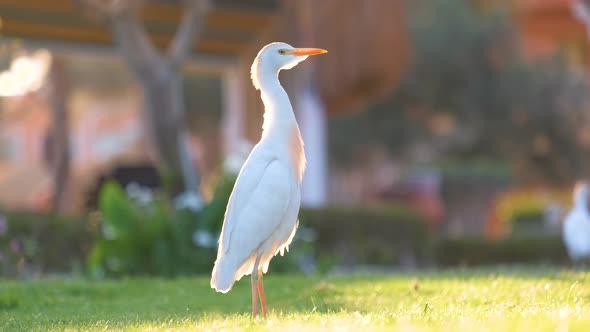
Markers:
point(224, 18)
point(99, 35)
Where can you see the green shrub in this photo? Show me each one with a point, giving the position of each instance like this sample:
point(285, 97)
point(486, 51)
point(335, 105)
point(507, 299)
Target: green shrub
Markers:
point(146, 239)
point(372, 235)
point(528, 221)
point(34, 243)
point(513, 249)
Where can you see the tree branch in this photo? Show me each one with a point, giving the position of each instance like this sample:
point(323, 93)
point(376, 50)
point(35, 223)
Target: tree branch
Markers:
point(188, 31)
point(128, 33)
point(133, 41)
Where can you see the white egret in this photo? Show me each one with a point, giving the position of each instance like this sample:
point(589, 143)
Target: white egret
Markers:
point(261, 216)
point(576, 226)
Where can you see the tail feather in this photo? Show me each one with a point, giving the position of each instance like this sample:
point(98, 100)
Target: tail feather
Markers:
point(223, 275)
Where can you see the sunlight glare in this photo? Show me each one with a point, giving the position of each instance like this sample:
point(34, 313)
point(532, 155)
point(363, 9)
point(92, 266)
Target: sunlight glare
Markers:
point(26, 74)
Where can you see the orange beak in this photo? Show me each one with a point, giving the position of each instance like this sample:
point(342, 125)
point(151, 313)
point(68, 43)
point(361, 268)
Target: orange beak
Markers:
point(307, 51)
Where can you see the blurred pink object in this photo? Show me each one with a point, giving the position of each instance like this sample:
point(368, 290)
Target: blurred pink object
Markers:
point(3, 225)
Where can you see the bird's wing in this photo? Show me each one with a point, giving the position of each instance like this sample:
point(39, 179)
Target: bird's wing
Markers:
point(257, 204)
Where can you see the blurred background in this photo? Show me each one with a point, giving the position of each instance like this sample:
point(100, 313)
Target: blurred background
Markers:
point(438, 132)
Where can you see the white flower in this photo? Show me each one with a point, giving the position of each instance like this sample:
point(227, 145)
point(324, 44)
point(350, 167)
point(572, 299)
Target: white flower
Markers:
point(109, 232)
point(204, 239)
point(140, 194)
point(189, 200)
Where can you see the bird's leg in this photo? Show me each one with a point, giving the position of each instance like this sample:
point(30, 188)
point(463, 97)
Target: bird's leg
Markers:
point(254, 293)
point(255, 287)
point(260, 287)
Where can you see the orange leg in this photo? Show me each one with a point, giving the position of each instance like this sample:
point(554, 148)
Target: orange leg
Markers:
point(260, 287)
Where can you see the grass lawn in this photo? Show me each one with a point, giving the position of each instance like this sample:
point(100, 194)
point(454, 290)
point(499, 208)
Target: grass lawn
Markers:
point(498, 299)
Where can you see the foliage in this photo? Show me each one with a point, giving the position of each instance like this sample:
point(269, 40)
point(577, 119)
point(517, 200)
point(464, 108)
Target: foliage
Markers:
point(528, 219)
point(495, 299)
point(472, 251)
point(31, 244)
point(521, 212)
point(372, 235)
point(523, 209)
point(470, 94)
point(154, 238)
point(520, 205)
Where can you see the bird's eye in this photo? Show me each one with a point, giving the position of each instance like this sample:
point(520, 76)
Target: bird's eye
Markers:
point(282, 52)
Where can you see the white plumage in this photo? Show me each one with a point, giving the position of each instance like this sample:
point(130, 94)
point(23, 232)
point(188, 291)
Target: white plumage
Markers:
point(261, 216)
point(576, 226)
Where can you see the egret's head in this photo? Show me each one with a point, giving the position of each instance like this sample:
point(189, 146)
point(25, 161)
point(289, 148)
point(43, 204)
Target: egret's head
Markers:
point(274, 57)
point(581, 192)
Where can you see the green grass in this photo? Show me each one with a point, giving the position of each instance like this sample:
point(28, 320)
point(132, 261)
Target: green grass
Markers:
point(498, 299)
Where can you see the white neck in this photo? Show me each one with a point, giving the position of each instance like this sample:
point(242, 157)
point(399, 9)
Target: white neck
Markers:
point(279, 119)
point(280, 126)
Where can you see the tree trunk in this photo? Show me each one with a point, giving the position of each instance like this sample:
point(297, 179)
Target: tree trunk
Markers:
point(164, 99)
point(58, 147)
point(161, 78)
